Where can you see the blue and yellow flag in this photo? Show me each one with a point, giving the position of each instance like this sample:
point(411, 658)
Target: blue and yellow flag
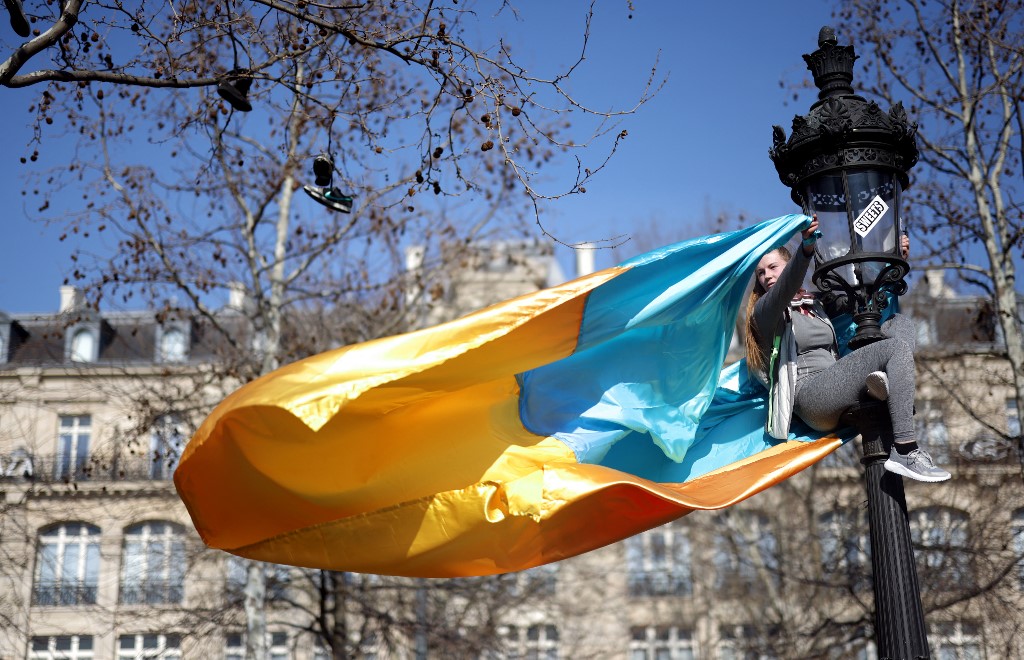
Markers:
point(531, 431)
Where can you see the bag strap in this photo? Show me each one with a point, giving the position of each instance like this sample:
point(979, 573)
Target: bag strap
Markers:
point(773, 362)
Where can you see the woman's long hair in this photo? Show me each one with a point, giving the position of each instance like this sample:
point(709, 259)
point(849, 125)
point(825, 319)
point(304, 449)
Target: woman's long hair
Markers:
point(756, 359)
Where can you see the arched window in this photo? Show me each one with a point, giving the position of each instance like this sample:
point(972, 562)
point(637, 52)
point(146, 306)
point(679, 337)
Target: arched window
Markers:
point(940, 537)
point(154, 563)
point(67, 565)
point(83, 346)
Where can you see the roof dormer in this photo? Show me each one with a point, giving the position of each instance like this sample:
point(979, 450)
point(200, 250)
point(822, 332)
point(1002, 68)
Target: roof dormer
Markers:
point(87, 333)
point(173, 341)
point(12, 335)
point(85, 338)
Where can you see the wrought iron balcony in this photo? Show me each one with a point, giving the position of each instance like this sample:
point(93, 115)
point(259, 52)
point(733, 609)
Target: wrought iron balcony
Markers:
point(64, 594)
point(153, 592)
point(52, 469)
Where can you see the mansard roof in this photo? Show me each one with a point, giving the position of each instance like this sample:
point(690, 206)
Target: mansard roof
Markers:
point(124, 338)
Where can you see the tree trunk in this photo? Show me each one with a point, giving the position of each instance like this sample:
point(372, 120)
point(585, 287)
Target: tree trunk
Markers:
point(255, 613)
point(339, 630)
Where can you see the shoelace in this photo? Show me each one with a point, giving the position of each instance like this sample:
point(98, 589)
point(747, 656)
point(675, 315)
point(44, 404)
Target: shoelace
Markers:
point(921, 457)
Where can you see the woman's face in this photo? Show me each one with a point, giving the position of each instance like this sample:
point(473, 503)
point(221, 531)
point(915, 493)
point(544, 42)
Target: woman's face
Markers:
point(769, 269)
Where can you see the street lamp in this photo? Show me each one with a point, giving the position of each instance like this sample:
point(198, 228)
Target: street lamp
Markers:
point(847, 162)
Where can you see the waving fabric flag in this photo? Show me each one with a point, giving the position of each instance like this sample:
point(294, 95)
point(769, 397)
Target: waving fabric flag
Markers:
point(531, 431)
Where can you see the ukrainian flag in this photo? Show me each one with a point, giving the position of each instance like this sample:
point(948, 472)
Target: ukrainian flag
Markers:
point(531, 431)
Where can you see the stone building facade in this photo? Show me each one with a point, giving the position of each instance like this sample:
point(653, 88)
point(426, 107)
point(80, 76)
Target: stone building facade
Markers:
point(98, 558)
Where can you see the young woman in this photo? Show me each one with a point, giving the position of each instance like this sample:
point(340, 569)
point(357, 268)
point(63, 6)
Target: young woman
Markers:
point(816, 384)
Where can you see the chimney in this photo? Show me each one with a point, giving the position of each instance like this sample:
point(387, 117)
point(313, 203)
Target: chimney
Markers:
point(238, 300)
point(936, 281)
point(414, 255)
point(584, 259)
point(72, 299)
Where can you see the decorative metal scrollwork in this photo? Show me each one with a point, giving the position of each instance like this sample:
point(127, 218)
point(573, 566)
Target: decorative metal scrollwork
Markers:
point(864, 300)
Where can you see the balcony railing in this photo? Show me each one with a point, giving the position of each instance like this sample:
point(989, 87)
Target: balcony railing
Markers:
point(56, 594)
point(153, 592)
point(54, 469)
point(659, 584)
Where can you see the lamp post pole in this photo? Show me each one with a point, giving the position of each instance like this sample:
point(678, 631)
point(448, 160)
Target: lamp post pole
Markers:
point(847, 162)
point(899, 616)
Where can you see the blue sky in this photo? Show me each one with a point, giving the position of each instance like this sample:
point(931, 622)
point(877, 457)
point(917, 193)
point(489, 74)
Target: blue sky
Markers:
point(700, 147)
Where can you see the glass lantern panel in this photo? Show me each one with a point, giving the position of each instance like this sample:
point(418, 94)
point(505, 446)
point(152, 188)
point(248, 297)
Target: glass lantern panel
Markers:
point(826, 198)
point(875, 216)
point(873, 194)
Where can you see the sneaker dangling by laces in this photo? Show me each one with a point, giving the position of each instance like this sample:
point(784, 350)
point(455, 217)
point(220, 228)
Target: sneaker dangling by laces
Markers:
point(330, 197)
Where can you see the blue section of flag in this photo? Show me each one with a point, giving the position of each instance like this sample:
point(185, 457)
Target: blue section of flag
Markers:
point(642, 391)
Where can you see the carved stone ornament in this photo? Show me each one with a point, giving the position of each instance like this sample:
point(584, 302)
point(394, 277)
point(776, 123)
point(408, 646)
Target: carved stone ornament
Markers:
point(985, 448)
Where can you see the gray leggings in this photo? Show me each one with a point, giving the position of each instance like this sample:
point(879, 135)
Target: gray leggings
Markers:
point(822, 398)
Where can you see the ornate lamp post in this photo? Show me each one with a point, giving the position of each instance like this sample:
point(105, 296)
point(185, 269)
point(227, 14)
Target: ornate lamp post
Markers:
point(847, 162)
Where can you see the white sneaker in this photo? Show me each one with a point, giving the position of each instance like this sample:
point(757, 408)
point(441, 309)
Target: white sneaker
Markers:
point(917, 465)
point(877, 383)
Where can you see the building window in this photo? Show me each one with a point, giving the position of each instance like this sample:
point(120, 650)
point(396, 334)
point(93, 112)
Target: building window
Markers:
point(154, 564)
point(173, 345)
point(940, 537)
point(166, 440)
point(73, 447)
point(536, 642)
point(67, 565)
point(956, 640)
point(279, 646)
point(746, 551)
point(278, 576)
point(661, 643)
point(61, 647)
point(658, 562)
point(147, 647)
point(83, 346)
point(234, 647)
point(1017, 526)
point(931, 429)
point(277, 642)
point(744, 643)
point(533, 582)
point(845, 549)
